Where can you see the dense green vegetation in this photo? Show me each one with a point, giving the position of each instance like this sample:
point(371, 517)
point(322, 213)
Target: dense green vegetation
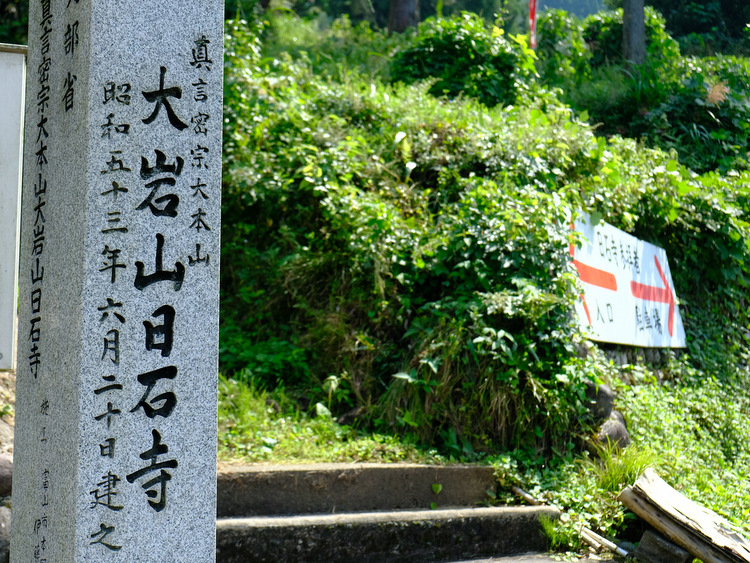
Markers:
point(395, 245)
point(396, 231)
point(687, 424)
point(375, 230)
point(698, 106)
point(704, 27)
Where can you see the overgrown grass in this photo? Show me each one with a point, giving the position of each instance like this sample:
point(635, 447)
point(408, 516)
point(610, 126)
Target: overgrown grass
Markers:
point(261, 426)
point(693, 430)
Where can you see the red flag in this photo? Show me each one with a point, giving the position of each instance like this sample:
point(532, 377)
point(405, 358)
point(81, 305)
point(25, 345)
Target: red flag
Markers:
point(532, 23)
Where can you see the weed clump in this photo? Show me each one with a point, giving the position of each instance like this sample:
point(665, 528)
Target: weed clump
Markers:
point(463, 56)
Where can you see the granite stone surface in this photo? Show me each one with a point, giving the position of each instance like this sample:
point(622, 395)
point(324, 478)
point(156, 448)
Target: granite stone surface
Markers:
point(115, 448)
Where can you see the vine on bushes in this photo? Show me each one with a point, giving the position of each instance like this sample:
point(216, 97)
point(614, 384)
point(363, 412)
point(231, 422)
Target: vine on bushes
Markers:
point(406, 254)
point(464, 57)
point(697, 106)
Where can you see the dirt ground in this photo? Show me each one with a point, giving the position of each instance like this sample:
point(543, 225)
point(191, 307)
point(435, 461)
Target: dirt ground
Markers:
point(7, 387)
point(7, 397)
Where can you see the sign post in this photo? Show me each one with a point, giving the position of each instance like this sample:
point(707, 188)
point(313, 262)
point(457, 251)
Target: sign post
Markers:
point(532, 23)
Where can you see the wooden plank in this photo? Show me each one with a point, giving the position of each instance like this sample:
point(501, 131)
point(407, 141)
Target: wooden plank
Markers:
point(673, 531)
point(699, 520)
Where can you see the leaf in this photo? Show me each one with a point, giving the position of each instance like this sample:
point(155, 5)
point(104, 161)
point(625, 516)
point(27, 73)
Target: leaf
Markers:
point(408, 419)
point(596, 218)
point(322, 411)
point(269, 442)
point(404, 375)
point(330, 384)
point(684, 188)
point(432, 363)
point(436, 488)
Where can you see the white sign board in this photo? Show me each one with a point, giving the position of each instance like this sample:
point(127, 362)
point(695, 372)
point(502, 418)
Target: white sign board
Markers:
point(628, 294)
point(12, 69)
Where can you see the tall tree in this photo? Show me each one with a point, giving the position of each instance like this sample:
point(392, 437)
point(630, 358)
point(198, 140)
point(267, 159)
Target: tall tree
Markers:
point(402, 15)
point(633, 31)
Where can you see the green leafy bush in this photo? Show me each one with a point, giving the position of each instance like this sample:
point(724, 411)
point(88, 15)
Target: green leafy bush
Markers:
point(603, 33)
point(562, 52)
point(615, 94)
point(464, 57)
point(704, 16)
point(698, 107)
point(415, 249)
point(706, 121)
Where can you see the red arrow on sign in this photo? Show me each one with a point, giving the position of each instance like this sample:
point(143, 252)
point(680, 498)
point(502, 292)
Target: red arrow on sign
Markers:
point(592, 276)
point(657, 294)
point(595, 276)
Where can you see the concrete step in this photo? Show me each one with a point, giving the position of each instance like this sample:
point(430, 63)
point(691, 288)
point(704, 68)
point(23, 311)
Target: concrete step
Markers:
point(540, 558)
point(544, 558)
point(265, 490)
point(416, 536)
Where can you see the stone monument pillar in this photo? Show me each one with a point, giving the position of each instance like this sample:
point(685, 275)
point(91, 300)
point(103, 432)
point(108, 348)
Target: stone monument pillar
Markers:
point(115, 449)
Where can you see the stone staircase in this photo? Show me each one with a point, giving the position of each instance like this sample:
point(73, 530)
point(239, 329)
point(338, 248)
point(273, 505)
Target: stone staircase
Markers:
point(342, 513)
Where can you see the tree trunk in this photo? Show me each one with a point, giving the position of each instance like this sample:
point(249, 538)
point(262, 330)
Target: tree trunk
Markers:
point(633, 31)
point(403, 14)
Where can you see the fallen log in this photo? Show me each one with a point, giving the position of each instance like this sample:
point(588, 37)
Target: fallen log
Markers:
point(699, 530)
point(525, 496)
